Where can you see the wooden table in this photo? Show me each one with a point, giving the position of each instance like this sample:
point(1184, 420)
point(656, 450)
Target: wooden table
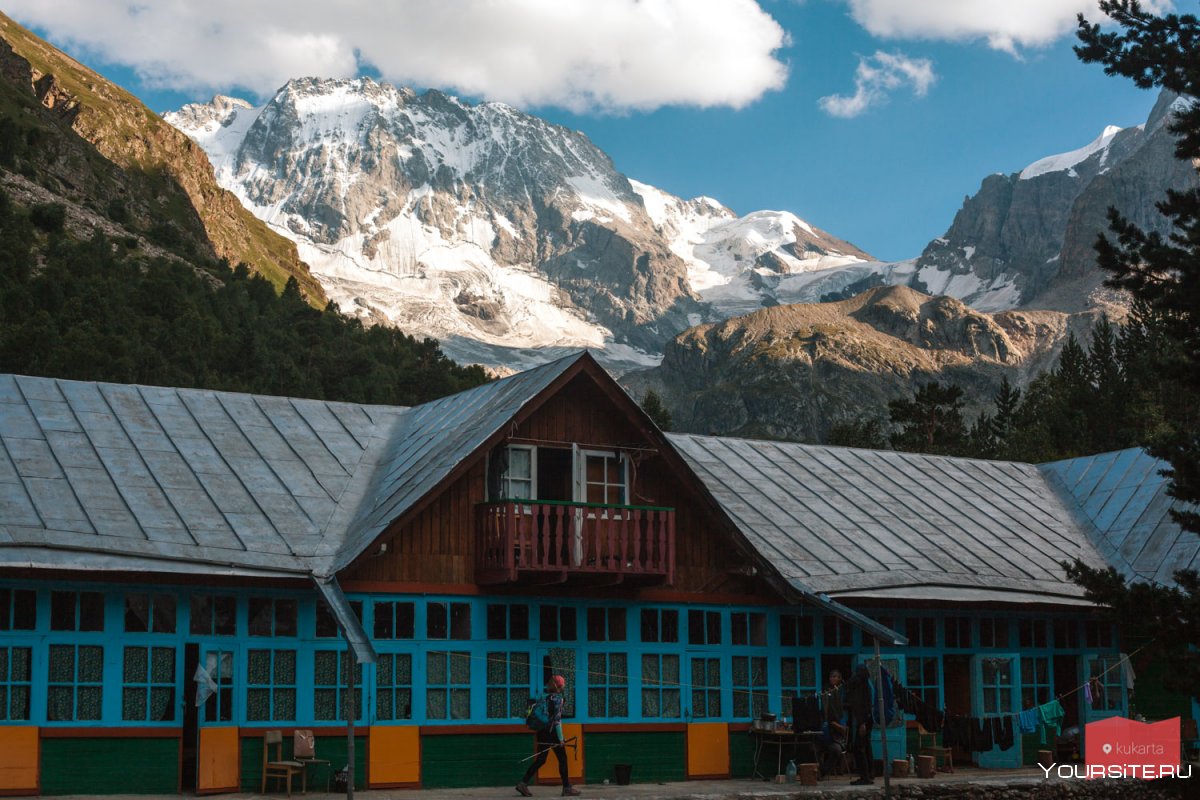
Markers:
point(803, 743)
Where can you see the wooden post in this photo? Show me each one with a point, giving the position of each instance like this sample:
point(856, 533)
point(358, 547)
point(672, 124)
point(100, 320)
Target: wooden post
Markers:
point(887, 782)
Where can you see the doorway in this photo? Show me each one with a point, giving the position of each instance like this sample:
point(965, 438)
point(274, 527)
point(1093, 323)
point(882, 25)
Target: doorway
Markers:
point(957, 690)
point(187, 750)
point(554, 474)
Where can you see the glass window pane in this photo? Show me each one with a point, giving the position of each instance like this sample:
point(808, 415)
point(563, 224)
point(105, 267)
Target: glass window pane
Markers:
point(91, 611)
point(285, 617)
point(162, 665)
point(437, 623)
point(225, 616)
point(260, 616)
point(137, 665)
point(62, 611)
point(164, 613)
point(201, 615)
point(24, 612)
point(91, 664)
point(137, 613)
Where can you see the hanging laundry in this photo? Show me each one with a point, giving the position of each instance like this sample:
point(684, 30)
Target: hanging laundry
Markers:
point(980, 731)
point(1027, 720)
point(1002, 732)
point(929, 717)
point(1050, 715)
point(1087, 694)
point(956, 734)
point(1127, 666)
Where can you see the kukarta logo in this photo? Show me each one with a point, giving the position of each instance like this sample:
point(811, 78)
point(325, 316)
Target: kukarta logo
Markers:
point(1124, 748)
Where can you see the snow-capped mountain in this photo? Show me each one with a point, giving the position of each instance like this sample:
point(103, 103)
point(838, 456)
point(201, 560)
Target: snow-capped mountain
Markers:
point(502, 235)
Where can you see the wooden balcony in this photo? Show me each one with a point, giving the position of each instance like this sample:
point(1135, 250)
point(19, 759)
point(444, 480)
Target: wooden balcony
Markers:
point(552, 542)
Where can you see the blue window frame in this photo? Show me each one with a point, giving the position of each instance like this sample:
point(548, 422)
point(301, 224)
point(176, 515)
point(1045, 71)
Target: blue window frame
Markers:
point(706, 687)
point(447, 685)
point(1033, 633)
point(149, 613)
point(921, 631)
point(331, 671)
point(76, 611)
point(923, 678)
point(393, 687)
point(213, 615)
point(661, 686)
point(837, 632)
point(608, 685)
point(1036, 685)
point(748, 628)
point(1106, 682)
point(704, 627)
point(148, 690)
point(448, 620)
point(958, 632)
point(218, 706)
point(1066, 634)
point(508, 684)
point(270, 616)
point(396, 619)
point(993, 632)
point(798, 676)
point(750, 688)
point(660, 625)
point(606, 624)
point(507, 621)
point(75, 685)
point(18, 610)
point(558, 623)
point(795, 630)
point(16, 683)
point(270, 685)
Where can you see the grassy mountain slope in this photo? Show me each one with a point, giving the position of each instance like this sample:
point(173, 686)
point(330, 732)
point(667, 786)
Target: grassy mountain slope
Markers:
point(80, 136)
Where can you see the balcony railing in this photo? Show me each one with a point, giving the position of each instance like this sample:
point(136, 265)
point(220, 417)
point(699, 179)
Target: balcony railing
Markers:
point(549, 541)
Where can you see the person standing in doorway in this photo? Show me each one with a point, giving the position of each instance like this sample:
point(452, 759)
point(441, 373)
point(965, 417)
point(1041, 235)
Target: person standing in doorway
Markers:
point(858, 699)
point(835, 725)
point(550, 738)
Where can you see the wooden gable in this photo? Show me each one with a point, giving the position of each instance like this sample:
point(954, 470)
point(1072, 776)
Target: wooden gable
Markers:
point(434, 547)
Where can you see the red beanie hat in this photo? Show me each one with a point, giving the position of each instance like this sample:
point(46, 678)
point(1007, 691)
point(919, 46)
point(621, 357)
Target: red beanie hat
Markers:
point(559, 681)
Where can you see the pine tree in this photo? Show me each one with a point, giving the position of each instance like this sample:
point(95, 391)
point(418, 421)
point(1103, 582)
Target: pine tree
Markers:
point(653, 405)
point(932, 422)
point(1163, 276)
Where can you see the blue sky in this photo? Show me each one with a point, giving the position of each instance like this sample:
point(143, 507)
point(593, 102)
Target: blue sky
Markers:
point(725, 103)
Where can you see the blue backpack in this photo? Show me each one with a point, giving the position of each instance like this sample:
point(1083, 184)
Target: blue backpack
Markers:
point(537, 717)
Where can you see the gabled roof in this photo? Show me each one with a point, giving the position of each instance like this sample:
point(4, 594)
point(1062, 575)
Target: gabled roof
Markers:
point(102, 475)
point(1122, 503)
point(863, 523)
point(429, 442)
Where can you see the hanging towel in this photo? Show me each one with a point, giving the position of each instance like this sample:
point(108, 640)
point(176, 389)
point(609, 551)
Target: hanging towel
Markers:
point(1051, 716)
point(1002, 732)
point(1087, 694)
point(955, 733)
point(1027, 720)
point(1130, 677)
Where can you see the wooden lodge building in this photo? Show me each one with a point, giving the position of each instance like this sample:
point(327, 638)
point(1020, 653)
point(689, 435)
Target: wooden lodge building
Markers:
point(157, 542)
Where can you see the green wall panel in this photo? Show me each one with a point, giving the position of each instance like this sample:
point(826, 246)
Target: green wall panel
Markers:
point(459, 761)
point(110, 766)
point(654, 756)
point(741, 754)
point(331, 748)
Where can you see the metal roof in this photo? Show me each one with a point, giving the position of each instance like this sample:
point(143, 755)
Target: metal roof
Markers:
point(850, 522)
point(179, 475)
point(1122, 502)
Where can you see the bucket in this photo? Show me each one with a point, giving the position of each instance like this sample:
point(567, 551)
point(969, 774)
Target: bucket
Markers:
point(623, 772)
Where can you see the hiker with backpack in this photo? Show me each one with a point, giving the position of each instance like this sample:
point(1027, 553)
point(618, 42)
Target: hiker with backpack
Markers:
point(545, 719)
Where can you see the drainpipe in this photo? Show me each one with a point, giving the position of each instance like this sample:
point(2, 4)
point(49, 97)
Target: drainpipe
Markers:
point(351, 706)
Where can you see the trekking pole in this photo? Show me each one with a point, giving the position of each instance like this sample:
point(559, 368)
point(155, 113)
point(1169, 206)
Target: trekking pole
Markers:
point(887, 784)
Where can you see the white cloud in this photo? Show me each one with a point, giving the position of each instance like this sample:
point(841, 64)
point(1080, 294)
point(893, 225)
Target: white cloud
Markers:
point(1005, 24)
point(876, 77)
point(578, 54)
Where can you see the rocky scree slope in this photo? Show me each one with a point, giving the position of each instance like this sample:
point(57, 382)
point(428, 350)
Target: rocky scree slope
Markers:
point(791, 372)
point(89, 141)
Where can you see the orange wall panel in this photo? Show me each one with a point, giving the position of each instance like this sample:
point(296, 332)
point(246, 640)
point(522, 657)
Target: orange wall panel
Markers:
point(707, 749)
point(19, 759)
point(549, 771)
point(219, 760)
point(395, 755)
